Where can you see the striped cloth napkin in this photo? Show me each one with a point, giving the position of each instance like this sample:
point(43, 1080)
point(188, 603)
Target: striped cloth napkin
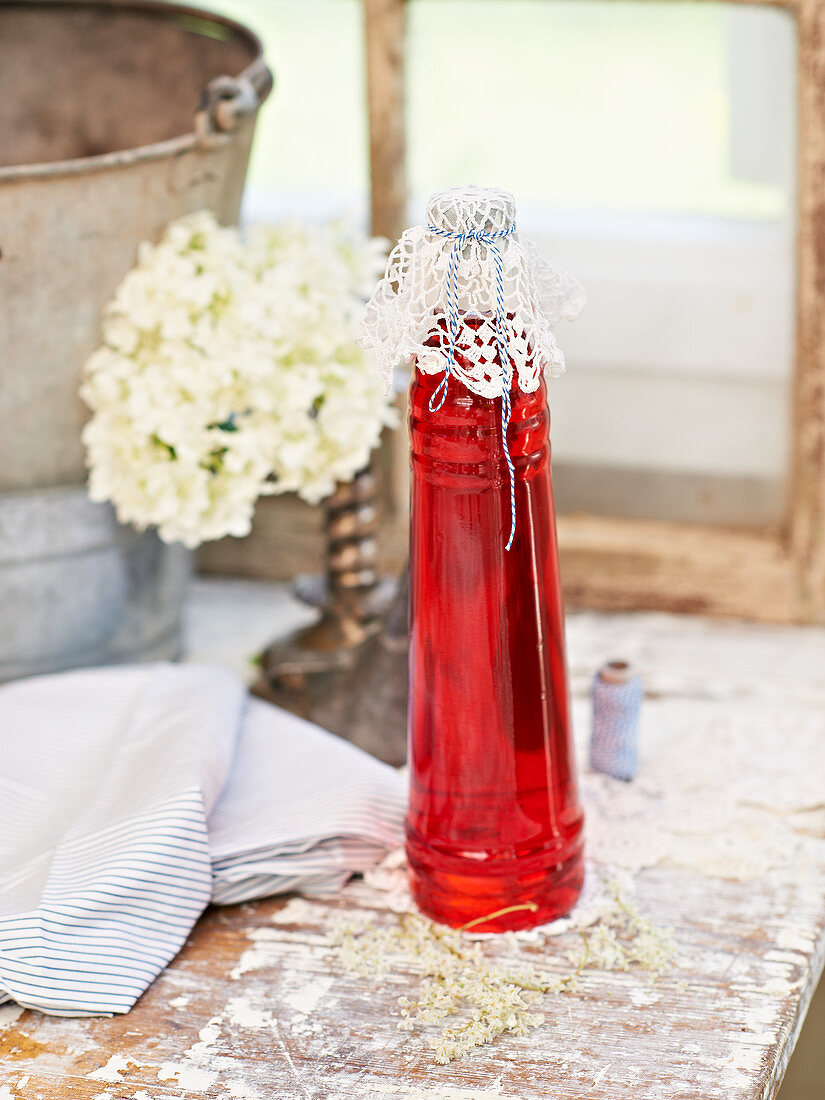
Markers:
point(133, 796)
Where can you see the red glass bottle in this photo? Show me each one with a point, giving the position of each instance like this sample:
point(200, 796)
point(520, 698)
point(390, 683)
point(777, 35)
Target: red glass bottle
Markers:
point(494, 820)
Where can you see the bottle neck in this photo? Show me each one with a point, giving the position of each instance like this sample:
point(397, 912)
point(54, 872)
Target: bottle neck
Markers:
point(476, 361)
point(474, 422)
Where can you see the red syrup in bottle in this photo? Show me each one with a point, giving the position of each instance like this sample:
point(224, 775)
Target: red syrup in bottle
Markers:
point(494, 819)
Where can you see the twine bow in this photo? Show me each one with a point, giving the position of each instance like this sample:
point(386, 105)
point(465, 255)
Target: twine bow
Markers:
point(491, 239)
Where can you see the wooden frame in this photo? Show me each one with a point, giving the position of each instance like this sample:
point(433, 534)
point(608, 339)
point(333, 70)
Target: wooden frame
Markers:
point(772, 575)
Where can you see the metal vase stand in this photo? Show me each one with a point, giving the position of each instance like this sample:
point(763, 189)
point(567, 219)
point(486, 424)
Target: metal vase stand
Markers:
point(348, 671)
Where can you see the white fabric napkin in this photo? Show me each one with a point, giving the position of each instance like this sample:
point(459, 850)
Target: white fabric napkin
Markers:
point(130, 797)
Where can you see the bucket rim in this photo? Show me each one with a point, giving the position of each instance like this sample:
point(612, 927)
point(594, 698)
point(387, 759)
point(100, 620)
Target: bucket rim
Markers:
point(256, 73)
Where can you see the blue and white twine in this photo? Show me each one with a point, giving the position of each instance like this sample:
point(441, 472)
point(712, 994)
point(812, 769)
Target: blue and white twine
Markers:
point(617, 695)
point(491, 239)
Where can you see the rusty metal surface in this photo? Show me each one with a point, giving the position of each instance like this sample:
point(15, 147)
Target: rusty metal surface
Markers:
point(67, 241)
point(76, 588)
point(113, 119)
point(96, 84)
point(69, 230)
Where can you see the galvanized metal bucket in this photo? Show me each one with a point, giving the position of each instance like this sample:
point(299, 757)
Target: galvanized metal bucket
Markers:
point(115, 118)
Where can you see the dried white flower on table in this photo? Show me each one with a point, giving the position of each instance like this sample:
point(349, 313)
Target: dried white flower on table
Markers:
point(481, 998)
point(227, 371)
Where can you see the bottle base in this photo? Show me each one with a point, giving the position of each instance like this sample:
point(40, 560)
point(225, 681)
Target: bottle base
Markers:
point(534, 890)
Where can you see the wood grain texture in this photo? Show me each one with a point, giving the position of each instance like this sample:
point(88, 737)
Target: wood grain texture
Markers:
point(807, 492)
point(286, 538)
point(258, 1007)
point(624, 564)
point(712, 1029)
point(384, 37)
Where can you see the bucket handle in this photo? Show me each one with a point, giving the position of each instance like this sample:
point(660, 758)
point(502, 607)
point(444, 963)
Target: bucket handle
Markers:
point(227, 100)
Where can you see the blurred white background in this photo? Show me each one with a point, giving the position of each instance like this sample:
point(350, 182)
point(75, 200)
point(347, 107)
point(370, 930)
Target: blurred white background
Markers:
point(652, 148)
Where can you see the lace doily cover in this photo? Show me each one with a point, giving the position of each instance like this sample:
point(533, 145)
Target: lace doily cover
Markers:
point(409, 306)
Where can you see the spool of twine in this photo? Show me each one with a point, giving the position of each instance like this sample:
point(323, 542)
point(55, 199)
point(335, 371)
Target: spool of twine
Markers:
point(617, 703)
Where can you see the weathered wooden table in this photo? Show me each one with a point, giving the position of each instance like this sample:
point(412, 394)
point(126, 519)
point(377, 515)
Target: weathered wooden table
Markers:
point(723, 833)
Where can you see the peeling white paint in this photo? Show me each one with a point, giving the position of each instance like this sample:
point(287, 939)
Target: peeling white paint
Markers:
point(779, 987)
point(795, 939)
point(439, 1092)
point(9, 1015)
point(789, 958)
point(259, 956)
point(113, 1071)
point(296, 911)
point(241, 1012)
point(307, 998)
point(239, 1090)
point(643, 997)
point(207, 1037)
point(190, 1078)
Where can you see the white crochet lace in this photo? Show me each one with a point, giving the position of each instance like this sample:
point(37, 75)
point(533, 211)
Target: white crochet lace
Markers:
point(410, 310)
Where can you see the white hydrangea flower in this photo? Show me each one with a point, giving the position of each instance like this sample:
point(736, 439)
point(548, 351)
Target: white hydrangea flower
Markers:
point(228, 371)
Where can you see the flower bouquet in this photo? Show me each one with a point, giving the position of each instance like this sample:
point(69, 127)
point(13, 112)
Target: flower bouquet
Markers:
point(228, 371)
